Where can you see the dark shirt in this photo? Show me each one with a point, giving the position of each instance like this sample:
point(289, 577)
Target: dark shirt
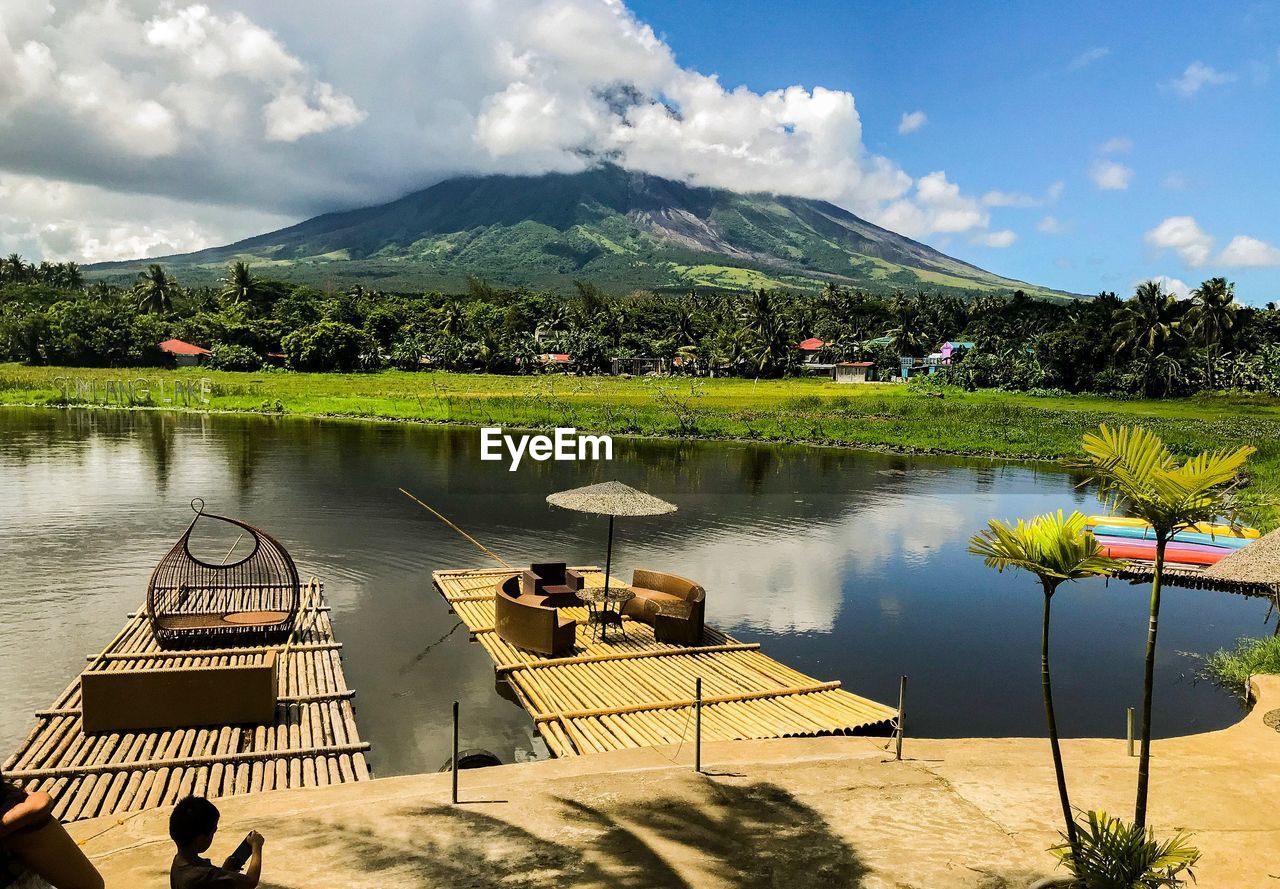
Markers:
point(203, 874)
point(10, 869)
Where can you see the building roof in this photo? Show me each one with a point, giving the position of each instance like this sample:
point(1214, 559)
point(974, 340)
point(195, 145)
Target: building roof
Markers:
point(856, 364)
point(1257, 564)
point(178, 347)
point(557, 357)
point(812, 344)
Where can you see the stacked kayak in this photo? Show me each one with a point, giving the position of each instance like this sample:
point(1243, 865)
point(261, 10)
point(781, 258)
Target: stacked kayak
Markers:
point(1203, 544)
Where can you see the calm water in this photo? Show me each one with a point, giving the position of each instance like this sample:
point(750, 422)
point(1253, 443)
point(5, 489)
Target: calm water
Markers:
point(844, 565)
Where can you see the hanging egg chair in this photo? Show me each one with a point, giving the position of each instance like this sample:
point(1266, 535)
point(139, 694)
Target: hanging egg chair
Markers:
point(192, 603)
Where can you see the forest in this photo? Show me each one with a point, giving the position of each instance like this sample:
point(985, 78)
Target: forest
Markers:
point(1149, 343)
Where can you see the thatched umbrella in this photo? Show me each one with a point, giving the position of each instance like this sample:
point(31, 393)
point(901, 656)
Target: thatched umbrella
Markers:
point(611, 499)
point(1254, 568)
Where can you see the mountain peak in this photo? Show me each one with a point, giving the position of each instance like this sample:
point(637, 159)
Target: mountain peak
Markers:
point(620, 228)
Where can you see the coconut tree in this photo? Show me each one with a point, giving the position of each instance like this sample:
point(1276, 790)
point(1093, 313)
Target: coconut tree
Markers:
point(1213, 311)
point(239, 284)
point(1137, 473)
point(155, 289)
point(1055, 548)
point(1152, 321)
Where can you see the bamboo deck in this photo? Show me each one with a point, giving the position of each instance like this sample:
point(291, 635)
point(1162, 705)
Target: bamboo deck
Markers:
point(639, 692)
point(313, 741)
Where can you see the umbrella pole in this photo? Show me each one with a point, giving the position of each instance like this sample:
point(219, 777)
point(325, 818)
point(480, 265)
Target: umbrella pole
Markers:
point(608, 558)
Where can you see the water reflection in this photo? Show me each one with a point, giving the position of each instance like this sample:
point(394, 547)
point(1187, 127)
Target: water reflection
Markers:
point(844, 565)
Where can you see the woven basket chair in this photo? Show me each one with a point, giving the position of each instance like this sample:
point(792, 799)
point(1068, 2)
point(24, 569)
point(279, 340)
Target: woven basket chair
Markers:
point(192, 603)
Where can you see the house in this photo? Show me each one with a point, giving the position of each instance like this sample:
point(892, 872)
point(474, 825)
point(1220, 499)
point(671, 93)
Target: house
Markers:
point(950, 347)
point(854, 372)
point(184, 354)
point(811, 356)
point(554, 361)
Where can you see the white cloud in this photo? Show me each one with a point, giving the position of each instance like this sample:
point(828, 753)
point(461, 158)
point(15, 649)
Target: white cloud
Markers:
point(1243, 250)
point(1198, 75)
point(1175, 286)
point(1194, 245)
point(220, 113)
point(1117, 145)
point(1051, 225)
point(1185, 237)
point(1020, 199)
point(1174, 181)
point(1088, 57)
point(1110, 176)
point(912, 121)
point(1002, 238)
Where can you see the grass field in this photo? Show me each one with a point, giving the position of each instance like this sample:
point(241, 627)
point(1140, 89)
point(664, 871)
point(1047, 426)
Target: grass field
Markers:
point(812, 411)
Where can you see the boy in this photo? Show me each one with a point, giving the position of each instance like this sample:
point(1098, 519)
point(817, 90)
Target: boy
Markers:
point(191, 826)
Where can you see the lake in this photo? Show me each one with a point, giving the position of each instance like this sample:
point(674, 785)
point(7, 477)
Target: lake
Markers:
point(843, 564)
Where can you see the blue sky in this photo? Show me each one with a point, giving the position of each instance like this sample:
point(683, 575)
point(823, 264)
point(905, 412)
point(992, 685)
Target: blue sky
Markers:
point(1019, 96)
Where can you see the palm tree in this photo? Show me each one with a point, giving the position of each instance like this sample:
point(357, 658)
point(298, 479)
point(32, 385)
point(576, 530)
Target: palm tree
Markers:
point(14, 268)
point(907, 333)
point(239, 285)
point(1152, 321)
point(767, 340)
point(1138, 473)
point(1213, 309)
point(155, 289)
point(70, 276)
point(1055, 548)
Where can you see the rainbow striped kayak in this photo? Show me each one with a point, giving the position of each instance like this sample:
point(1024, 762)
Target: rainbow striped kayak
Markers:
point(1180, 553)
point(1218, 530)
point(1146, 533)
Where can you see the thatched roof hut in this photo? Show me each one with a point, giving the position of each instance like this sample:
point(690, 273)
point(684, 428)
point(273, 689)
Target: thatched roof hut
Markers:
point(1253, 570)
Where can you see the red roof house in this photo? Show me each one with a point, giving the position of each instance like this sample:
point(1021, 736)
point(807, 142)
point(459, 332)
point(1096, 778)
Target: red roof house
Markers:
point(812, 344)
point(184, 353)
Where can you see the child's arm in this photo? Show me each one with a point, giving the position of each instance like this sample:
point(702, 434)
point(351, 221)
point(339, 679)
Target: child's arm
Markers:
point(34, 810)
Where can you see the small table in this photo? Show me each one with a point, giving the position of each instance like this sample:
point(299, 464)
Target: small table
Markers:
point(605, 609)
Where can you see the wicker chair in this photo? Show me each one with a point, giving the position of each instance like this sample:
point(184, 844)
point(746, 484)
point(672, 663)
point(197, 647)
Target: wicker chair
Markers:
point(192, 603)
point(673, 605)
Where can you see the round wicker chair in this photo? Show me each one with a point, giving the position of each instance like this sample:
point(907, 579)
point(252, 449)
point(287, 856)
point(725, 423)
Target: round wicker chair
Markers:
point(192, 603)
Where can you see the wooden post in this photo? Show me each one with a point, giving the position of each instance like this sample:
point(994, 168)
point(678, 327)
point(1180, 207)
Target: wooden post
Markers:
point(902, 698)
point(697, 725)
point(454, 761)
point(608, 558)
point(1129, 719)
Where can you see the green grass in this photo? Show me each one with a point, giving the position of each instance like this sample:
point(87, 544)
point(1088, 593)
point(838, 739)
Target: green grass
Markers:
point(880, 416)
point(1232, 667)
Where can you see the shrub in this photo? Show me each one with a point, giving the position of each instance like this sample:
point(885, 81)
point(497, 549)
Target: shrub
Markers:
point(1111, 854)
point(228, 356)
point(328, 345)
point(1233, 667)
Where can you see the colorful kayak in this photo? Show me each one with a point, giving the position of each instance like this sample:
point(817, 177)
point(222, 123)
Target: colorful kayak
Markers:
point(1201, 527)
point(1182, 553)
point(1228, 543)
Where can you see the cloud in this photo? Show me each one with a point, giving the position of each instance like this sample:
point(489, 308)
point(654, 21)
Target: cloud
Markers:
point(221, 112)
point(1088, 57)
point(1110, 176)
point(1002, 238)
point(912, 121)
point(1243, 250)
point(1174, 181)
point(1175, 286)
point(1185, 237)
point(1117, 145)
point(1194, 245)
point(1051, 225)
point(1019, 199)
point(1198, 75)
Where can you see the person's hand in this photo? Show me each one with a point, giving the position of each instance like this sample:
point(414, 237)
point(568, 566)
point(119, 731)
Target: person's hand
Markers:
point(255, 841)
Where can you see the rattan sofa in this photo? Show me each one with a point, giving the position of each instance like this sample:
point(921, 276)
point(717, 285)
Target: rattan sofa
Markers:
point(673, 605)
point(524, 620)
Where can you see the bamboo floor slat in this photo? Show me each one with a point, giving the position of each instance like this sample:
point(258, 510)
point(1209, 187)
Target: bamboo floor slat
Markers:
point(312, 742)
point(638, 692)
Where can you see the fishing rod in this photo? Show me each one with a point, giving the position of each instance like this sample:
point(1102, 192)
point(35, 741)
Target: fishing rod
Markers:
point(488, 552)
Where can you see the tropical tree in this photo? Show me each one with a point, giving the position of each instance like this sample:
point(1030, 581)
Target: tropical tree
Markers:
point(1137, 473)
point(767, 344)
point(1152, 320)
point(1213, 311)
point(907, 332)
point(1055, 548)
point(14, 269)
point(155, 290)
point(239, 284)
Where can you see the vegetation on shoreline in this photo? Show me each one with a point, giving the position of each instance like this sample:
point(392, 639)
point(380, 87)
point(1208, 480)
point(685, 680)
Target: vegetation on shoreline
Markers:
point(1232, 667)
point(886, 417)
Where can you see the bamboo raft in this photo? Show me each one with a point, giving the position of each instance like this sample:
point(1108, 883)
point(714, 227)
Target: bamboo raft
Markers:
point(313, 741)
point(639, 692)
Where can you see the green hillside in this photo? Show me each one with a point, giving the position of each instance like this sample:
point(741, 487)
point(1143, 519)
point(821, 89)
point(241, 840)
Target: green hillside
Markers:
point(620, 229)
